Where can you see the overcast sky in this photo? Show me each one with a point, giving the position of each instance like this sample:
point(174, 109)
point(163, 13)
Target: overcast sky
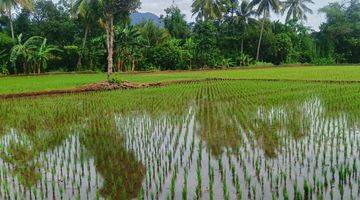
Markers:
point(158, 6)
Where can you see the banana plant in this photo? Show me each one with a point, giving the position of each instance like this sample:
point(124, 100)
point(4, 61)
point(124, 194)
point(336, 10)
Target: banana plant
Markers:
point(40, 55)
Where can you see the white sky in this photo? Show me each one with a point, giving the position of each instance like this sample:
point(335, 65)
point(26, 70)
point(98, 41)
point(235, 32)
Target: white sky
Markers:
point(158, 6)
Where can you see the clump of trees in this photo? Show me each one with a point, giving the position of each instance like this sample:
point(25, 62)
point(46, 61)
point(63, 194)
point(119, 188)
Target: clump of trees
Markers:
point(98, 35)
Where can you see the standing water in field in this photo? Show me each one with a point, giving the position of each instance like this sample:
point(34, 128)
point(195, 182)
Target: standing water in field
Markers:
point(226, 143)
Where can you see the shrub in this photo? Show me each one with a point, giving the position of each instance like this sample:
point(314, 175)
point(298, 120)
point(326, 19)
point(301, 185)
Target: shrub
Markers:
point(168, 56)
point(245, 60)
point(282, 48)
point(323, 61)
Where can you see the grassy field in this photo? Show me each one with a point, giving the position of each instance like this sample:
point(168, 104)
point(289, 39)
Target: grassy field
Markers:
point(69, 81)
point(47, 82)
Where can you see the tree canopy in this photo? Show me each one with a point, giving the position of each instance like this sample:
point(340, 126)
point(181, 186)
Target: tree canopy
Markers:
point(99, 35)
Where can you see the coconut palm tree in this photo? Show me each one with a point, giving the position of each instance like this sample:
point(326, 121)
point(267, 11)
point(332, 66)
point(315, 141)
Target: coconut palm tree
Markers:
point(88, 13)
point(244, 12)
point(207, 9)
point(7, 6)
point(297, 9)
point(264, 8)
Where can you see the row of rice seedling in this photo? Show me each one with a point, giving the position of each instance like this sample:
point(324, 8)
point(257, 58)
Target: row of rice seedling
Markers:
point(209, 140)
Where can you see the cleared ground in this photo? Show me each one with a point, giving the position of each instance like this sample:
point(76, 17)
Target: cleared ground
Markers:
point(9, 85)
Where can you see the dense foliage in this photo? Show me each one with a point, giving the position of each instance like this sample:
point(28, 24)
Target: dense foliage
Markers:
point(225, 34)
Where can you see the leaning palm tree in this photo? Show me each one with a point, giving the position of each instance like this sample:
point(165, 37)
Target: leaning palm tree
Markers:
point(7, 6)
point(296, 9)
point(264, 8)
point(244, 12)
point(207, 9)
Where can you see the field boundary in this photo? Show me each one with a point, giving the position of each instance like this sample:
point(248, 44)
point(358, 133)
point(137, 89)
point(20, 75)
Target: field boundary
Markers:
point(108, 86)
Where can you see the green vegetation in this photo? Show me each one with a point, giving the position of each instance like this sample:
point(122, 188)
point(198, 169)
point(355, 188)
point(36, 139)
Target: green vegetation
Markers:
point(99, 36)
point(19, 84)
point(329, 73)
point(247, 136)
point(207, 114)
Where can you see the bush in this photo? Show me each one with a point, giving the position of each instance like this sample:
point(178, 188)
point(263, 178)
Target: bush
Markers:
point(282, 48)
point(323, 61)
point(169, 56)
point(3, 69)
point(245, 60)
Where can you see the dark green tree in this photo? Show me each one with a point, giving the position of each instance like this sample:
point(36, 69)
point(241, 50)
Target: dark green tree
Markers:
point(175, 23)
point(205, 39)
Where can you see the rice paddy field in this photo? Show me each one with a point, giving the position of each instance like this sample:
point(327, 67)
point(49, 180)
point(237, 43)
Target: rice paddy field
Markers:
point(224, 139)
point(21, 84)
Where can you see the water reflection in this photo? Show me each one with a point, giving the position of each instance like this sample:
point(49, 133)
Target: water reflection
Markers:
point(218, 148)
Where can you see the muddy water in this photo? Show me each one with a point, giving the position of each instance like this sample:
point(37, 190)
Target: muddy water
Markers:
point(212, 152)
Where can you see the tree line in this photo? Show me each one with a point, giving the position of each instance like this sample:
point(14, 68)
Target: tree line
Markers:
point(98, 35)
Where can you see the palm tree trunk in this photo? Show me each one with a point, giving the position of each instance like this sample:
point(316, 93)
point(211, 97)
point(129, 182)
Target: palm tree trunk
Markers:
point(11, 24)
point(261, 35)
point(133, 65)
point(110, 42)
point(79, 63)
point(242, 39)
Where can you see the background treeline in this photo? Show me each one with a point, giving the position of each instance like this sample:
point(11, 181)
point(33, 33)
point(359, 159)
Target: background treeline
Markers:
point(46, 36)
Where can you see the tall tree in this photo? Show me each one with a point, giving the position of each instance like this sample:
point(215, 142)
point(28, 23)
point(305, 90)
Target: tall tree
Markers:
point(7, 6)
point(115, 9)
point(296, 9)
point(207, 9)
point(244, 13)
point(88, 13)
point(176, 24)
point(264, 9)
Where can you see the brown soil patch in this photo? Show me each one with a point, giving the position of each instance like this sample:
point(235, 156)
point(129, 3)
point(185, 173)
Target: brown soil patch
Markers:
point(102, 86)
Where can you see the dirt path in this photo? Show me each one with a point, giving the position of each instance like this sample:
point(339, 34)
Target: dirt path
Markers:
point(107, 86)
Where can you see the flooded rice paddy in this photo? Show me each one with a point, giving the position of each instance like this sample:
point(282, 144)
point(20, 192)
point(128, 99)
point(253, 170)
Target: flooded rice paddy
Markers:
point(211, 140)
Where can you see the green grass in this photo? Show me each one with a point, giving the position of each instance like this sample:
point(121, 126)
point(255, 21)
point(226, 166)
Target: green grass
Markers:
point(18, 84)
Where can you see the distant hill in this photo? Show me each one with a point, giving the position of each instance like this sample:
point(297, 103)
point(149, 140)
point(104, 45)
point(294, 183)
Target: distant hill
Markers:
point(137, 18)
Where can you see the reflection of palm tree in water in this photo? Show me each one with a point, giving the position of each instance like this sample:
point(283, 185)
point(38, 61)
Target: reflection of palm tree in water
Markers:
point(122, 173)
